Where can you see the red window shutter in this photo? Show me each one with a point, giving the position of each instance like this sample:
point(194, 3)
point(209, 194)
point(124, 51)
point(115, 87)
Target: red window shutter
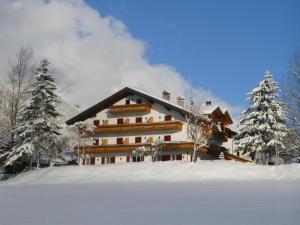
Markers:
point(167, 138)
point(168, 118)
point(96, 142)
point(120, 121)
point(96, 123)
point(138, 119)
point(142, 158)
point(138, 139)
point(119, 141)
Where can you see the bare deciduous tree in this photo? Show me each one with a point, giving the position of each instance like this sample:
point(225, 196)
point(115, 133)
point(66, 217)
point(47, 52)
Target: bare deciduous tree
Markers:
point(154, 150)
point(196, 124)
point(291, 95)
point(20, 78)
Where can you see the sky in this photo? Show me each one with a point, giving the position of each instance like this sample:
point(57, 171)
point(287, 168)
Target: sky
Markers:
point(222, 46)
point(215, 50)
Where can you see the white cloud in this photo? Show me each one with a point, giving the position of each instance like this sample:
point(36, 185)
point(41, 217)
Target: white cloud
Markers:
point(92, 55)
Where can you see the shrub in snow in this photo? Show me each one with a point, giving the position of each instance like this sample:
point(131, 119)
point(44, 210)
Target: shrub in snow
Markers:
point(263, 125)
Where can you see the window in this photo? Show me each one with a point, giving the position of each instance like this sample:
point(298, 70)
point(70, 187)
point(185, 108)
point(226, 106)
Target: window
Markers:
point(168, 118)
point(139, 101)
point(96, 142)
point(128, 158)
point(112, 159)
point(136, 158)
point(165, 157)
point(138, 139)
point(102, 160)
point(96, 123)
point(120, 121)
point(127, 102)
point(119, 141)
point(138, 119)
point(179, 157)
point(167, 138)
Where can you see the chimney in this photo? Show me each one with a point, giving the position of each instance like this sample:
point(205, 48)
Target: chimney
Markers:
point(180, 101)
point(166, 95)
point(208, 103)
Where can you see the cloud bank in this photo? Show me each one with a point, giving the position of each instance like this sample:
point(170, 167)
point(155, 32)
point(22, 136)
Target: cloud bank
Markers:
point(92, 55)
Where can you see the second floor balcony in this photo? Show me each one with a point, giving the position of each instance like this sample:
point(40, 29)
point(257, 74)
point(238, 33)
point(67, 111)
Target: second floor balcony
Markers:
point(140, 127)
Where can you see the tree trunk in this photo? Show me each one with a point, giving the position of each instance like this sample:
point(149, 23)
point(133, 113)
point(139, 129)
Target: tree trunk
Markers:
point(38, 162)
point(194, 153)
point(263, 158)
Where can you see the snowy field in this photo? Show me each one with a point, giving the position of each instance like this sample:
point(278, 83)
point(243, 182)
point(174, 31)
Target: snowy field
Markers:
point(207, 193)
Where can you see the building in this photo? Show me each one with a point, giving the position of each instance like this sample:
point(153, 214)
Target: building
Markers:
point(131, 118)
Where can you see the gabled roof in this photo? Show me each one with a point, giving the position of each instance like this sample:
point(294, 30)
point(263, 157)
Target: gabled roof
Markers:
point(210, 109)
point(107, 102)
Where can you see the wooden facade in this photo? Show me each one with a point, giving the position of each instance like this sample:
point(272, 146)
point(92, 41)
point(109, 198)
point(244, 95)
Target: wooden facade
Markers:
point(116, 109)
point(135, 127)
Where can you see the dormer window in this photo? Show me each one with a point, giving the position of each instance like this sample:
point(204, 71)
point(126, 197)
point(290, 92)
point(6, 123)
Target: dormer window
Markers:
point(127, 102)
point(139, 101)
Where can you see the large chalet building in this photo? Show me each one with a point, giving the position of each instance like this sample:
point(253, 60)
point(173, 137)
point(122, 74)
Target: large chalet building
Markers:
point(131, 118)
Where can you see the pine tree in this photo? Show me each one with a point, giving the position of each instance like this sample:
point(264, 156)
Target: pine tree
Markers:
point(263, 124)
point(36, 123)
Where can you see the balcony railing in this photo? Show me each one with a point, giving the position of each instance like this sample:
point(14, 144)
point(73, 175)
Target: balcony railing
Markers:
point(129, 148)
point(116, 109)
point(136, 127)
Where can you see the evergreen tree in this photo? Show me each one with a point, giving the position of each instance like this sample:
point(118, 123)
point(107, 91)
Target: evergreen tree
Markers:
point(263, 124)
point(36, 123)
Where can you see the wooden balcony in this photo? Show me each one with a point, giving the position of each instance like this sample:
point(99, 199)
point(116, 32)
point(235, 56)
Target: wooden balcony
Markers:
point(116, 109)
point(143, 127)
point(129, 148)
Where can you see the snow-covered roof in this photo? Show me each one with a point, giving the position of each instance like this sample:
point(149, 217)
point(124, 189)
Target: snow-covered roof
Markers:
point(209, 109)
point(118, 96)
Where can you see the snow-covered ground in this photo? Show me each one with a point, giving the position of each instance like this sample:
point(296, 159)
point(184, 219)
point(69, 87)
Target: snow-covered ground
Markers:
point(206, 192)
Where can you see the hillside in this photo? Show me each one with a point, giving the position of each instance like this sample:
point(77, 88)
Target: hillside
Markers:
point(165, 193)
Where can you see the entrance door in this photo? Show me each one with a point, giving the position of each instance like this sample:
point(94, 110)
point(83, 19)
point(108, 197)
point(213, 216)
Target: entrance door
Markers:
point(113, 159)
point(165, 157)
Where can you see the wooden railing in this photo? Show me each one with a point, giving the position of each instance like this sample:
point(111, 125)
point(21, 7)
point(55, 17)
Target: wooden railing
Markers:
point(128, 148)
point(134, 127)
point(115, 109)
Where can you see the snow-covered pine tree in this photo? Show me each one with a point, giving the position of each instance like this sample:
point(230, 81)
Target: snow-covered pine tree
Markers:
point(36, 123)
point(263, 125)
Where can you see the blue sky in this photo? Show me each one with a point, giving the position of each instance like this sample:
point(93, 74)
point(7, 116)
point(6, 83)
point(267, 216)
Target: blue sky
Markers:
point(223, 46)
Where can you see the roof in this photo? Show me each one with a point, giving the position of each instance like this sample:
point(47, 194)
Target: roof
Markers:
point(107, 102)
point(209, 109)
